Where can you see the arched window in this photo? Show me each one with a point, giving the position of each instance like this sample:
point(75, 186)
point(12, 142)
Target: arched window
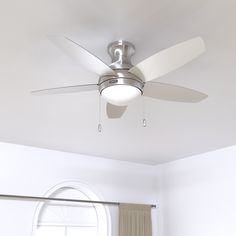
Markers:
point(71, 219)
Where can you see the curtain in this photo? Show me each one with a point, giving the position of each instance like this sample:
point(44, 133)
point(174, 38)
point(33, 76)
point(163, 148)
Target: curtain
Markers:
point(135, 220)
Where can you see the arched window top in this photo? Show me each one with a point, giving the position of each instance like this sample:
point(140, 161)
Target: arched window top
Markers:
point(70, 219)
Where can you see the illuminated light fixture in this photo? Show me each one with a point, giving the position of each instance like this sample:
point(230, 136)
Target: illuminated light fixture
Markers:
point(120, 91)
point(120, 95)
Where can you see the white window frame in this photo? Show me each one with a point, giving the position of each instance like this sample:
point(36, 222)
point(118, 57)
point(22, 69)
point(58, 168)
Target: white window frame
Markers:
point(104, 225)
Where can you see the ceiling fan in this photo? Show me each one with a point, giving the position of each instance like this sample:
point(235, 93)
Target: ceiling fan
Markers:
point(120, 83)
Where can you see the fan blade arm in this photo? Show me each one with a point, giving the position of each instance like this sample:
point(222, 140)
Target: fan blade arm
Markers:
point(115, 112)
point(66, 89)
point(169, 59)
point(82, 56)
point(172, 93)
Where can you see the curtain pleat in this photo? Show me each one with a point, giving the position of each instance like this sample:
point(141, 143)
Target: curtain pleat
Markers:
point(135, 220)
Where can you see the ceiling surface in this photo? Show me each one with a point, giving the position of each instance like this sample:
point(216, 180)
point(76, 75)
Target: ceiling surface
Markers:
point(68, 122)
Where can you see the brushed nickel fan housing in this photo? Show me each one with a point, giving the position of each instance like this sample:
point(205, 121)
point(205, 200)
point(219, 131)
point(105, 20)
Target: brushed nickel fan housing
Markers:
point(121, 53)
point(122, 77)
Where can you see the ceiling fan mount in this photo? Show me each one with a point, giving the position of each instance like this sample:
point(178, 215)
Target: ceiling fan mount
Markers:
point(121, 52)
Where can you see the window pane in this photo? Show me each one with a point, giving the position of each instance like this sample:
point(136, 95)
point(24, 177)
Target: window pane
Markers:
point(50, 231)
point(82, 231)
point(68, 215)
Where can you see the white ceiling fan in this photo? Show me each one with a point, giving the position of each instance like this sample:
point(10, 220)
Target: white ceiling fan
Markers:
point(120, 83)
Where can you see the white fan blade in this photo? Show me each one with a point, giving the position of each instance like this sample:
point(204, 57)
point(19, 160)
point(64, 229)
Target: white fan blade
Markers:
point(83, 57)
point(66, 89)
point(114, 112)
point(169, 59)
point(172, 93)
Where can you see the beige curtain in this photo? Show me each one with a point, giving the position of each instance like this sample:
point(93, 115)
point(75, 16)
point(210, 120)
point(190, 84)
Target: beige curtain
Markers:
point(135, 220)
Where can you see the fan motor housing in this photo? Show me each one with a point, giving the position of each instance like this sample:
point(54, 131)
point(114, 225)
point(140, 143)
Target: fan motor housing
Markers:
point(122, 77)
point(121, 53)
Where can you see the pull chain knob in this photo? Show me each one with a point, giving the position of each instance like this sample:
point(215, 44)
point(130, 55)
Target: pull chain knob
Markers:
point(99, 128)
point(144, 121)
point(99, 115)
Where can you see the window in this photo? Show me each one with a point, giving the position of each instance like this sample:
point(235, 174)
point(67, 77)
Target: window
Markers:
point(71, 219)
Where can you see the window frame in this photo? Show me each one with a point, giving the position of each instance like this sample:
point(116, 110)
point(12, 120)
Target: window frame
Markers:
point(102, 211)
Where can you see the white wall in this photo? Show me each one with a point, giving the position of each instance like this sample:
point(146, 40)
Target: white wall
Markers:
point(199, 195)
point(195, 196)
point(32, 171)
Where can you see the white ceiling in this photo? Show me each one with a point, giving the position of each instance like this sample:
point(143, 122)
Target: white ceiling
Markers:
point(28, 60)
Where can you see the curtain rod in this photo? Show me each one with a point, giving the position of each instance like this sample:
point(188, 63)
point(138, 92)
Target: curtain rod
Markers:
point(43, 199)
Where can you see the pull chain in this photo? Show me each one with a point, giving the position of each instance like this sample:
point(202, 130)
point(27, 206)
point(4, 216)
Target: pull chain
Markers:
point(99, 115)
point(144, 121)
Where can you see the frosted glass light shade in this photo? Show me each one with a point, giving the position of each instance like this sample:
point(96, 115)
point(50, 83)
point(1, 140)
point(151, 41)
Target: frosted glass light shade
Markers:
point(120, 95)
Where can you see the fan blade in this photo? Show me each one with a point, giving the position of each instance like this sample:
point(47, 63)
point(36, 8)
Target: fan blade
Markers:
point(82, 56)
point(66, 89)
point(172, 93)
point(114, 112)
point(169, 59)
